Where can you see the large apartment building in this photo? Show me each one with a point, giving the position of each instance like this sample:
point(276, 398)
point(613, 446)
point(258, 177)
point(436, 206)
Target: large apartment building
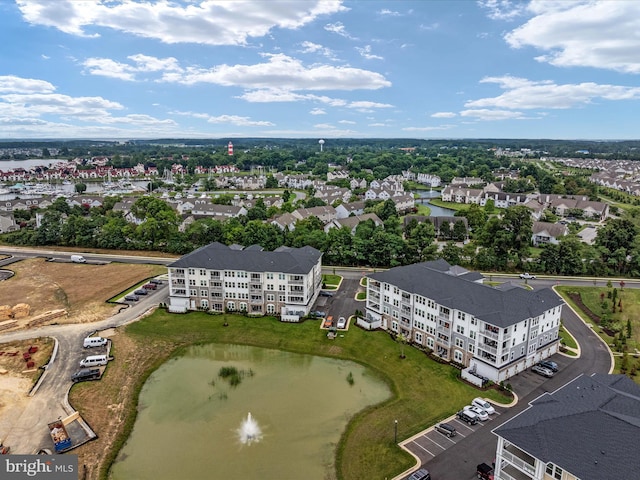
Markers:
point(587, 429)
point(219, 278)
point(494, 332)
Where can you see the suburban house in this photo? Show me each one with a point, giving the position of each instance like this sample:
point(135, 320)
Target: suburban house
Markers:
point(461, 194)
point(546, 232)
point(7, 223)
point(219, 278)
point(495, 333)
point(353, 221)
point(352, 208)
point(586, 429)
point(285, 221)
point(325, 213)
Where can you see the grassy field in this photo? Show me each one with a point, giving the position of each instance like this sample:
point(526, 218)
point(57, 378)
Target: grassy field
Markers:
point(424, 391)
point(361, 296)
point(567, 339)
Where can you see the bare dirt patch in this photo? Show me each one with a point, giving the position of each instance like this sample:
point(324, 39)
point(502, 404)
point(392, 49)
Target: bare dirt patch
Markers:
point(80, 289)
point(106, 405)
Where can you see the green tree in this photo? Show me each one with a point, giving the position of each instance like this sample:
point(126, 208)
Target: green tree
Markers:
point(80, 187)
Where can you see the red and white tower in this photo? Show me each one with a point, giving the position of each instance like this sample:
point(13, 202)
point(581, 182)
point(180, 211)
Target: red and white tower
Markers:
point(230, 147)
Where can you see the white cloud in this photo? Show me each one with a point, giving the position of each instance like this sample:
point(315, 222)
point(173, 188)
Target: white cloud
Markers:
point(240, 121)
point(13, 84)
point(489, 115)
point(428, 129)
point(318, 111)
point(123, 71)
point(198, 21)
point(56, 104)
point(503, 9)
point(134, 119)
point(430, 27)
point(324, 125)
point(583, 33)
point(363, 104)
point(527, 94)
point(378, 124)
point(106, 67)
point(340, 29)
point(347, 122)
point(366, 53)
point(310, 47)
point(443, 115)
point(283, 73)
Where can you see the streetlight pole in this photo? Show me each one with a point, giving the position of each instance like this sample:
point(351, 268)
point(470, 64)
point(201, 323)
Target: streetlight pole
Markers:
point(395, 431)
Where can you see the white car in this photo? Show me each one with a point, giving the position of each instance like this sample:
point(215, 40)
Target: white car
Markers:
point(480, 413)
point(527, 276)
point(342, 323)
point(483, 404)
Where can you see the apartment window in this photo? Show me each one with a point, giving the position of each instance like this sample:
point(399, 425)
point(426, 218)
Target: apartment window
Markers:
point(269, 276)
point(271, 297)
point(460, 329)
point(204, 293)
point(193, 293)
point(430, 342)
point(271, 309)
point(192, 271)
point(457, 356)
point(203, 283)
point(554, 470)
point(474, 321)
point(203, 272)
point(192, 282)
point(471, 348)
point(459, 343)
point(281, 298)
point(281, 276)
point(394, 326)
point(204, 304)
point(419, 338)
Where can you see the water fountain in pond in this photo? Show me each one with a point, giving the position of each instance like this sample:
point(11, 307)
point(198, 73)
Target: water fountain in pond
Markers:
point(249, 431)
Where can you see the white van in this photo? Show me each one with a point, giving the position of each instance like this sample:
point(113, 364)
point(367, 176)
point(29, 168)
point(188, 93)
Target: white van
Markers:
point(94, 361)
point(78, 259)
point(94, 342)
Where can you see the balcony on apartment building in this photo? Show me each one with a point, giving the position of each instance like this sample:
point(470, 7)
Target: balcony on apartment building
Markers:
point(254, 287)
point(519, 465)
point(444, 327)
point(297, 280)
point(256, 299)
point(443, 340)
point(372, 305)
point(176, 274)
point(179, 292)
point(490, 332)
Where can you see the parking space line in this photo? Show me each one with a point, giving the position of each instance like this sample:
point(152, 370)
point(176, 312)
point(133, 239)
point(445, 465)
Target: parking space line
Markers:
point(432, 440)
point(464, 424)
point(433, 455)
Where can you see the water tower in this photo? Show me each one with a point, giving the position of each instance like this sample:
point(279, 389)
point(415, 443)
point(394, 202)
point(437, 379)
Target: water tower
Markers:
point(321, 142)
point(230, 148)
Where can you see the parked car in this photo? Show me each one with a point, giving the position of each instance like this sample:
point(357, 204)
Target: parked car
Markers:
point(480, 413)
point(553, 366)
point(317, 313)
point(85, 374)
point(131, 298)
point(325, 293)
point(483, 404)
point(422, 474)
point(150, 286)
point(527, 276)
point(140, 291)
point(156, 281)
point(446, 429)
point(484, 471)
point(328, 322)
point(342, 322)
point(467, 417)
point(540, 370)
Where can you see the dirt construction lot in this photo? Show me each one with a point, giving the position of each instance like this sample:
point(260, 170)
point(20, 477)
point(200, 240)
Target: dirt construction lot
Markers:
point(81, 290)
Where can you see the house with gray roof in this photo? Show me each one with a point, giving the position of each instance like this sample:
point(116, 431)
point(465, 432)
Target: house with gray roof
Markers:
point(546, 232)
point(219, 278)
point(494, 333)
point(586, 429)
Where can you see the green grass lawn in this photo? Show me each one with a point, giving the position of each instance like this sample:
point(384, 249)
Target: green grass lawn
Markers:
point(422, 210)
point(423, 391)
point(361, 296)
point(331, 280)
point(567, 339)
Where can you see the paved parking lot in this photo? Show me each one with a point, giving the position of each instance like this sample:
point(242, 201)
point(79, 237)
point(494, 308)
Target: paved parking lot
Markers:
point(430, 443)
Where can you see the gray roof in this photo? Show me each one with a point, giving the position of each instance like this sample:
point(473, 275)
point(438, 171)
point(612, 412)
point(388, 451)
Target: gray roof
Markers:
point(589, 427)
point(457, 290)
point(217, 256)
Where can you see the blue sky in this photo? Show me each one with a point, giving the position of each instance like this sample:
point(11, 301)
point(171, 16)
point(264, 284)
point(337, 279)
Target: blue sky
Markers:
point(120, 69)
